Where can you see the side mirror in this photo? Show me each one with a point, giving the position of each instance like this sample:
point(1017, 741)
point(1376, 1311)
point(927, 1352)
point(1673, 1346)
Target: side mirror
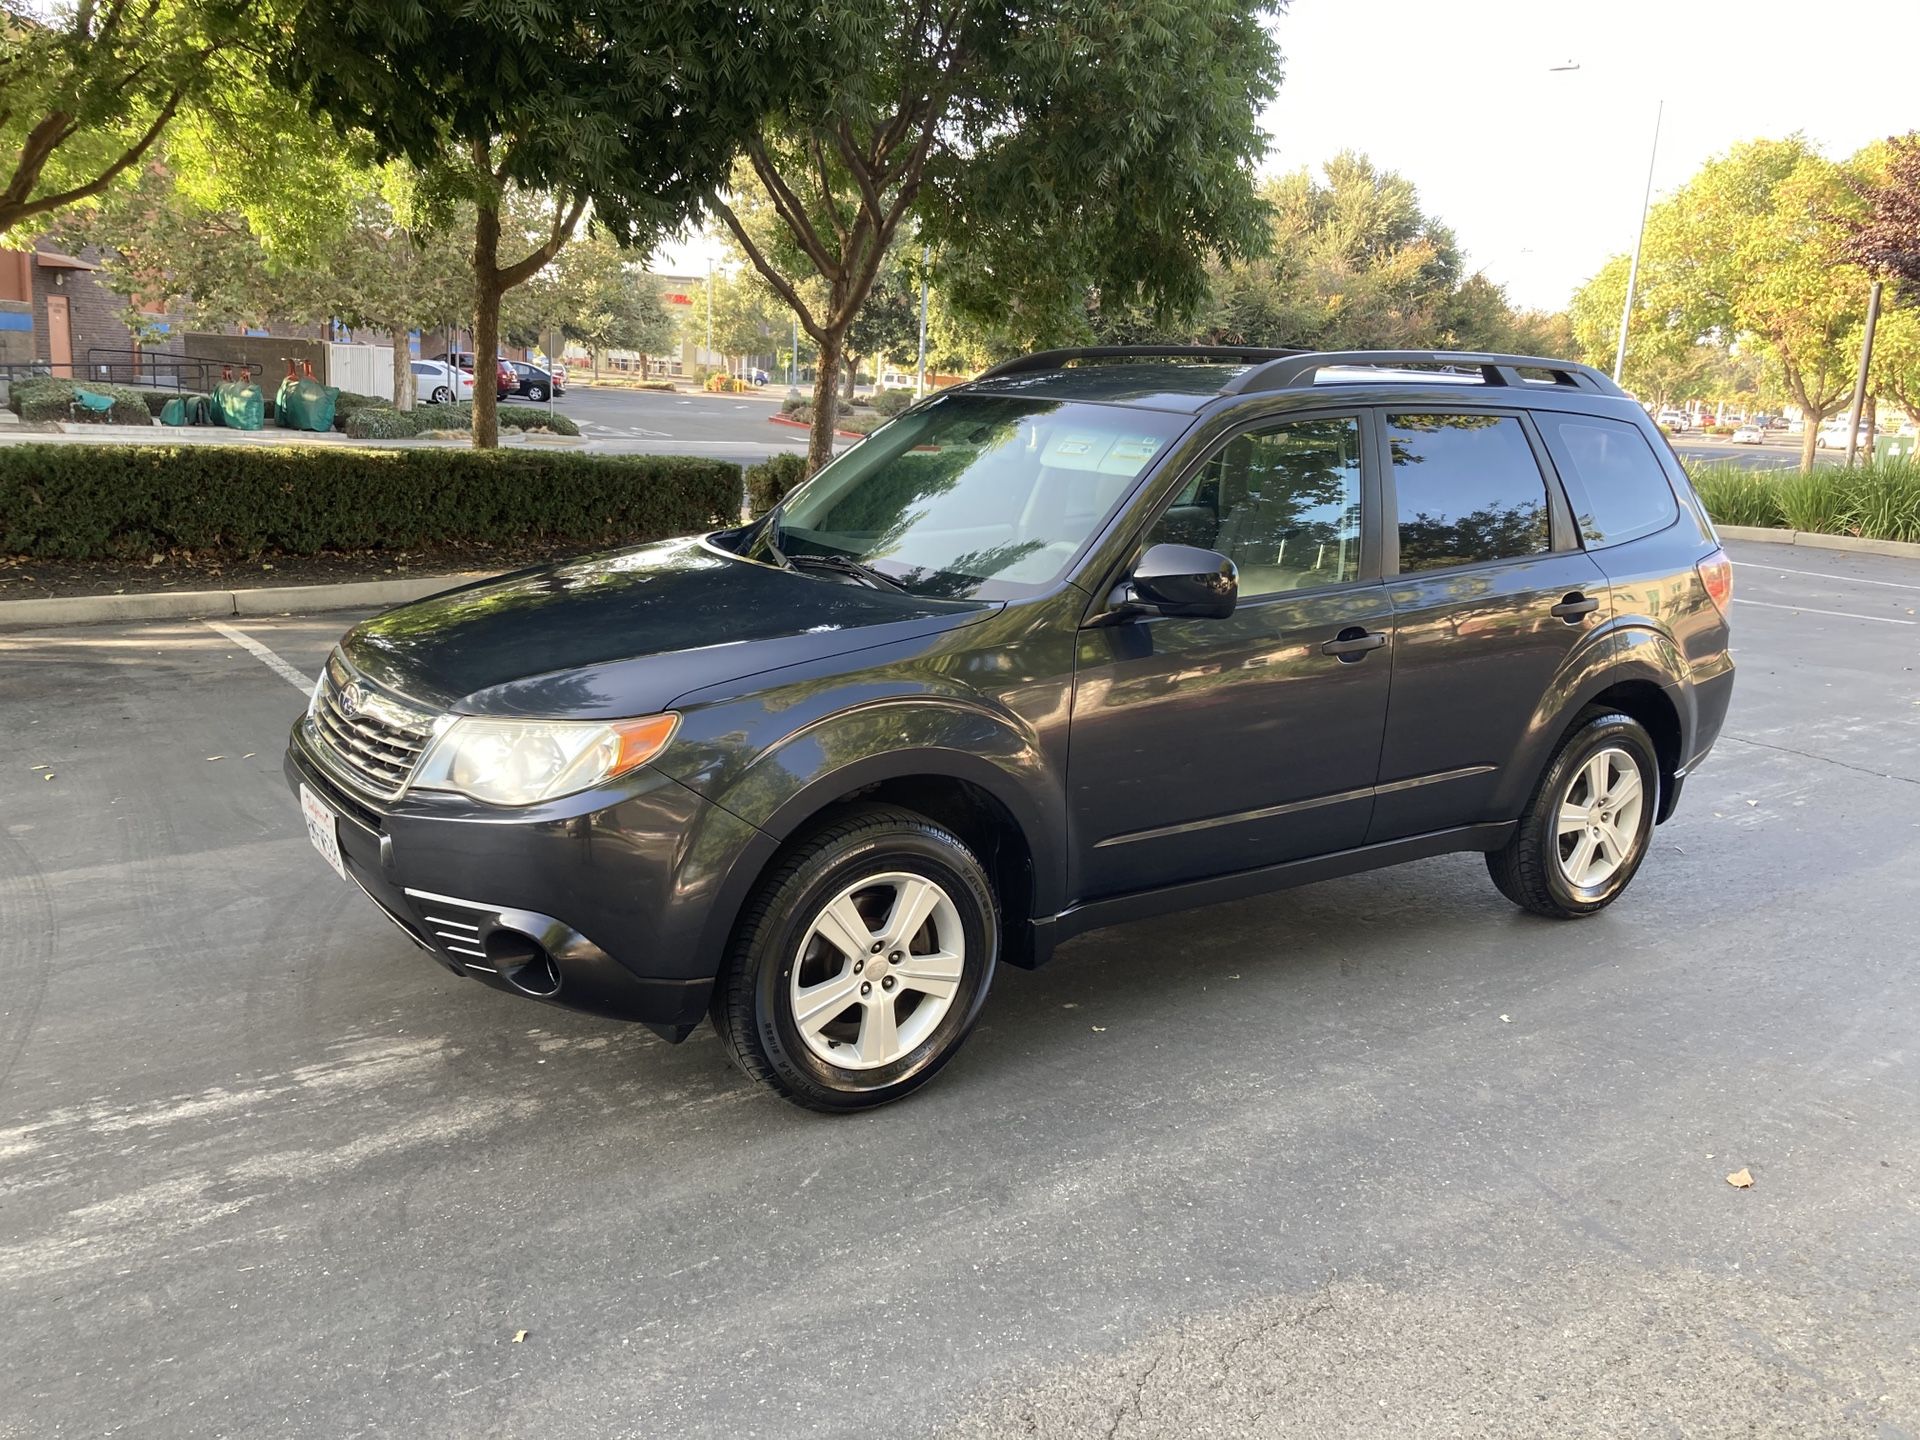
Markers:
point(1183, 580)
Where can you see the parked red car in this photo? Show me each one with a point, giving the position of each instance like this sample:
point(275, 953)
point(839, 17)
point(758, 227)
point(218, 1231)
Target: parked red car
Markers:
point(506, 379)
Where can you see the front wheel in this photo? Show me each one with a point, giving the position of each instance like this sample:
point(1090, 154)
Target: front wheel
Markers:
point(537, 395)
point(1587, 827)
point(861, 962)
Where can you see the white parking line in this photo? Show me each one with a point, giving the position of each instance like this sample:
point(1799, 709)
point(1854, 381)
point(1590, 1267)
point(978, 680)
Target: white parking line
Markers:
point(302, 683)
point(1843, 614)
point(1822, 575)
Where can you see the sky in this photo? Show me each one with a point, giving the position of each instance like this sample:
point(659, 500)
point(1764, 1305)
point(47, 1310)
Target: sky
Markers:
point(1539, 173)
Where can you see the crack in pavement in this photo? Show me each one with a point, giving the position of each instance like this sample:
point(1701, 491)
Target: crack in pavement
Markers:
point(1824, 759)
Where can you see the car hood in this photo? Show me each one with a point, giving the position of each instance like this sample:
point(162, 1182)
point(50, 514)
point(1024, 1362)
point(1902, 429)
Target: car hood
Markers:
point(627, 632)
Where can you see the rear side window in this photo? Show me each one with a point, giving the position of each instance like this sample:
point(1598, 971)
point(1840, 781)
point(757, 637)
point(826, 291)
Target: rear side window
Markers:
point(1469, 489)
point(1618, 490)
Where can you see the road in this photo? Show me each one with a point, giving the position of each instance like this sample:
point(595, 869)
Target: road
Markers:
point(727, 427)
point(1379, 1156)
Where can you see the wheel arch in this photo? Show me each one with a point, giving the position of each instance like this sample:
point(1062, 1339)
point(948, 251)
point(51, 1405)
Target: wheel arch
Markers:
point(1638, 671)
point(993, 800)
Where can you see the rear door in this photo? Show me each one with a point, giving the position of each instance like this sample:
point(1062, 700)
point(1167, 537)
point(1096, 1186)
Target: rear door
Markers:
point(1491, 592)
point(1202, 747)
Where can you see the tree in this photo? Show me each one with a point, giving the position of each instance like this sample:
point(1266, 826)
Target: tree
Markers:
point(1885, 239)
point(1751, 247)
point(634, 107)
point(86, 89)
point(599, 295)
point(748, 318)
point(1069, 147)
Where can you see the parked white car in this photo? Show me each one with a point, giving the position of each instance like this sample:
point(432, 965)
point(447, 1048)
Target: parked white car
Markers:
point(1747, 435)
point(1833, 436)
point(437, 383)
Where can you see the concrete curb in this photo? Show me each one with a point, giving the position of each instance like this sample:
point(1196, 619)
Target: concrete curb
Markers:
point(216, 604)
point(1767, 535)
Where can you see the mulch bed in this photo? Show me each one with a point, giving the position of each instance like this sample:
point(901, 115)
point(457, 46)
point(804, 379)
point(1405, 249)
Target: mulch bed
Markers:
point(22, 578)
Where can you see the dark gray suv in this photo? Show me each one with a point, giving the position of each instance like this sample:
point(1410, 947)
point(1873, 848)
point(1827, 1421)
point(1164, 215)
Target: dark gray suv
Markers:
point(1099, 635)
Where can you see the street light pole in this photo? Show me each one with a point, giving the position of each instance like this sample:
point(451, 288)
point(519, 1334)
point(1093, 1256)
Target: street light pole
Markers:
point(709, 354)
point(920, 385)
point(1633, 266)
point(1860, 380)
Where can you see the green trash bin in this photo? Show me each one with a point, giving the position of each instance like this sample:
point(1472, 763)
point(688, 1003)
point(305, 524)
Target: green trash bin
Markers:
point(1896, 447)
point(240, 404)
point(305, 404)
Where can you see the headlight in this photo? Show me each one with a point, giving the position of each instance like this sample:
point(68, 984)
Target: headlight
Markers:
point(520, 762)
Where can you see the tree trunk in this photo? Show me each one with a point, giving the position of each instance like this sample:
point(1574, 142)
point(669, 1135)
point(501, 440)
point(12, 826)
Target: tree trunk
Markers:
point(1809, 440)
point(853, 372)
point(402, 370)
point(595, 352)
point(486, 328)
point(826, 400)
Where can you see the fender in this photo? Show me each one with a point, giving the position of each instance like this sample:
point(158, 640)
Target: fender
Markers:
point(925, 735)
point(1620, 651)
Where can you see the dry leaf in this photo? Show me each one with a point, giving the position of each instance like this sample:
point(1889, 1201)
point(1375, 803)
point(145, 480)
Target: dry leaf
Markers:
point(40, 767)
point(1099, 1029)
point(1506, 1019)
point(47, 776)
point(518, 1336)
point(1741, 1179)
point(216, 757)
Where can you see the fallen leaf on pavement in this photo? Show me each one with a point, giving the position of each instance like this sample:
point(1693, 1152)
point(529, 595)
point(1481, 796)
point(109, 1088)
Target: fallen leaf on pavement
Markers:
point(1506, 1019)
point(216, 757)
point(1741, 1179)
point(1099, 1029)
point(518, 1336)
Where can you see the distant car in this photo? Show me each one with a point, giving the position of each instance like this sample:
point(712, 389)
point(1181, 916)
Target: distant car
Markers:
point(506, 381)
point(439, 383)
point(1674, 421)
point(1747, 435)
point(1834, 437)
point(559, 379)
point(533, 381)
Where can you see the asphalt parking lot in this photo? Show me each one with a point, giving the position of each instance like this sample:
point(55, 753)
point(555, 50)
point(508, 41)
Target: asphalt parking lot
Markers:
point(1380, 1156)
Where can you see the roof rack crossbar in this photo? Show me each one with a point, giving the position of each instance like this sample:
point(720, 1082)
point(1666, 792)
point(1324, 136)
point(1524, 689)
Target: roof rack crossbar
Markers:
point(1291, 372)
point(1059, 359)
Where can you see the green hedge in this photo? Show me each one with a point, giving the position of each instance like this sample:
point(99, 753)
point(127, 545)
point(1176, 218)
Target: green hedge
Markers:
point(47, 397)
point(375, 423)
point(1879, 500)
point(85, 502)
point(770, 480)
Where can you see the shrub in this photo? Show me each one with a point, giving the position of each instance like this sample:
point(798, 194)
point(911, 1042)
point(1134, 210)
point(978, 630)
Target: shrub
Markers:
point(48, 397)
point(1883, 500)
point(1815, 501)
point(83, 502)
point(1735, 495)
point(769, 482)
point(795, 402)
point(374, 423)
point(891, 402)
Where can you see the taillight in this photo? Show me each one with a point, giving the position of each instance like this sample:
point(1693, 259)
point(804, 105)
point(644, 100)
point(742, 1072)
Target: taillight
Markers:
point(1716, 573)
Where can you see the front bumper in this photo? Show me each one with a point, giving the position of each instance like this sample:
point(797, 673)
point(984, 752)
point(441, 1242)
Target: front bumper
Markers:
point(603, 910)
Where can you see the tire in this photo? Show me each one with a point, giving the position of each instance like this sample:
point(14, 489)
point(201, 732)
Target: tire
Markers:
point(870, 859)
point(1536, 869)
point(441, 395)
point(536, 394)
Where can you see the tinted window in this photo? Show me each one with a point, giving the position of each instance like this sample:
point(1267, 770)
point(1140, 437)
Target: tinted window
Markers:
point(1617, 483)
point(1282, 504)
point(1470, 491)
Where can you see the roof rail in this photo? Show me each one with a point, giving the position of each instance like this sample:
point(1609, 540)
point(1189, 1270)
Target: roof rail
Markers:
point(1295, 371)
point(1059, 359)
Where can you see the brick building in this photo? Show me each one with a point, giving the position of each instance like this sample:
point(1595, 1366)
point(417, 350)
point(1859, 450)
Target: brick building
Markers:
point(55, 309)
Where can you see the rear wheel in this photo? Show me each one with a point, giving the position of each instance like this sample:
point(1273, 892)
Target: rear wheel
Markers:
point(1586, 829)
point(860, 963)
point(441, 395)
point(537, 394)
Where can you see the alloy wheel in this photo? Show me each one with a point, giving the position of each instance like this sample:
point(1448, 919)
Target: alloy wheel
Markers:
point(1599, 818)
point(877, 970)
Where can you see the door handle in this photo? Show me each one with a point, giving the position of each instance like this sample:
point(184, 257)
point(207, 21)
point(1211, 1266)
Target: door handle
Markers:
point(1574, 607)
point(1353, 643)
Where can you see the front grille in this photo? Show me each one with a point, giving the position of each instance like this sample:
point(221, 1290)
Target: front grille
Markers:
point(371, 738)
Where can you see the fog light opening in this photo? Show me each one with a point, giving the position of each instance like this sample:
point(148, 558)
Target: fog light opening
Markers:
point(523, 964)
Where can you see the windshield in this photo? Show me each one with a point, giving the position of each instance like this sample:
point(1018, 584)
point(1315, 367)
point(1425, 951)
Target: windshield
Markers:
point(973, 496)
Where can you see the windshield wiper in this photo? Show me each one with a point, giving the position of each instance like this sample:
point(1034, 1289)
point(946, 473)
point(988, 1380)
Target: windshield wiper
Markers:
point(847, 565)
point(770, 533)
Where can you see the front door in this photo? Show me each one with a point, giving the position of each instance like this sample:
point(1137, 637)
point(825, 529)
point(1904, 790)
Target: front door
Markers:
point(1491, 591)
point(1203, 747)
point(59, 336)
